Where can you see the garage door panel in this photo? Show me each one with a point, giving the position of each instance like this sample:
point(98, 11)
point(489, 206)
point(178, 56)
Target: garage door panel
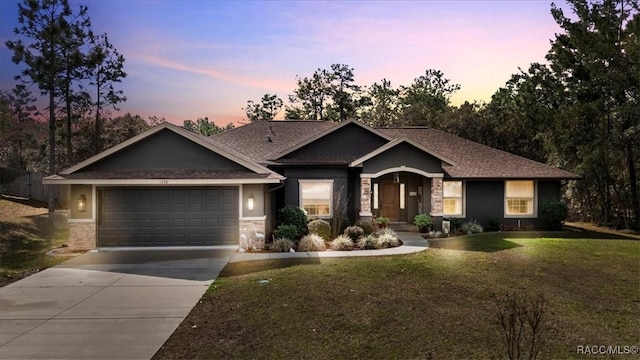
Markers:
point(167, 216)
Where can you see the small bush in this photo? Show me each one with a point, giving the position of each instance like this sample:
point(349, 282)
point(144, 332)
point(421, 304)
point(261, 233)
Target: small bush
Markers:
point(522, 324)
point(354, 232)
point(286, 231)
point(472, 227)
point(554, 213)
point(342, 243)
point(281, 245)
point(494, 224)
point(368, 242)
point(311, 242)
point(366, 226)
point(321, 228)
point(423, 222)
point(387, 238)
point(293, 215)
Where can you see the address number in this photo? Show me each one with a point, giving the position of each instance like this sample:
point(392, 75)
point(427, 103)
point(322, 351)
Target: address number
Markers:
point(164, 182)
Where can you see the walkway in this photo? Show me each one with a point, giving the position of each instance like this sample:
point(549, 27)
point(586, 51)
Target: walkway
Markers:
point(412, 242)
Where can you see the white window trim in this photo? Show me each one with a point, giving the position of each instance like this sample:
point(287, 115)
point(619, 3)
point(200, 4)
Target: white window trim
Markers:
point(301, 181)
point(534, 206)
point(464, 201)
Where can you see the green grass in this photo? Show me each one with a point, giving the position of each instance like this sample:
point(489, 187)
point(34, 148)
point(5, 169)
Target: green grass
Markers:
point(24, 243)
point(434, 304)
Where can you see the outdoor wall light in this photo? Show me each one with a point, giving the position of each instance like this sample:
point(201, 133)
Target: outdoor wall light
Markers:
point(250, 202)
point(82, 203)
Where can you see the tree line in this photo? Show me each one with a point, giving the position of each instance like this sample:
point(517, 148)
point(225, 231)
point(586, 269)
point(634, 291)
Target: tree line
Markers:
point(579, 111)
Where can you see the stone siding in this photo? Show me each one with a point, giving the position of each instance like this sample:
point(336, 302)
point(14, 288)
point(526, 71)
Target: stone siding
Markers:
point(436, 197)
point(365, 197)
point(82, 235)
point(252, 234)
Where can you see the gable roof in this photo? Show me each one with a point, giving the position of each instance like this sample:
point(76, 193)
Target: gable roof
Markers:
point(396, 142)
point(254, 170)
point(327, 132)
point(262, 140)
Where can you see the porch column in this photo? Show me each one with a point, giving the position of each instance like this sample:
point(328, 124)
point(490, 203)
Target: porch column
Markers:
point(365, 198)
point(436, 202)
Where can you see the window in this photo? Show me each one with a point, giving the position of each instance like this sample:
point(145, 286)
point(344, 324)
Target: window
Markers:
point(519, 197)
point(452, 198)
point(316, 197)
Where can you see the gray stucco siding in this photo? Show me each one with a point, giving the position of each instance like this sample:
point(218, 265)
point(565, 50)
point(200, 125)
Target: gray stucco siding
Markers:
point(351, 141)
point(403, 155)
point(165, 150)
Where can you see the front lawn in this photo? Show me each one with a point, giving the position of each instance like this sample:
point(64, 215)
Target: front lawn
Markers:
point(435, 304)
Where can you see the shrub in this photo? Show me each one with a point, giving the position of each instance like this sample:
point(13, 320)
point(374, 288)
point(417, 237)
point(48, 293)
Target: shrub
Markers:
point(311, 242)
point(383, 221)
point(354, 232)
point(342, 243)
point(321, 228)
point(387, 238)
point(293, 215)
point(423, 222)
point(472, 227)
point(368, 242)
point(281, 245)
point(554, 213)
point(366, 226)
point(522, 322)
point(286, 231)
point(494, 224)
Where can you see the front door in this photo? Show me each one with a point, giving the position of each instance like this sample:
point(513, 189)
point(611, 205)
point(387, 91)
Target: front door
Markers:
point(390, 201)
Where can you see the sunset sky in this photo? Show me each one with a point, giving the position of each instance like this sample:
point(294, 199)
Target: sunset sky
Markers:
point(191, 59)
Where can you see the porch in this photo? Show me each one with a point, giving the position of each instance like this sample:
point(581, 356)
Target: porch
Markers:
point(400, 194)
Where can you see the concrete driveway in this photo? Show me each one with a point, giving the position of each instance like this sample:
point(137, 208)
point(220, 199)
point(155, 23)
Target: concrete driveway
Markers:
point(105, 305)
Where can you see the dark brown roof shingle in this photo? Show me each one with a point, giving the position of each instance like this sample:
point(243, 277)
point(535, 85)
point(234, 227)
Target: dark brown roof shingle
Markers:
point(263, 140)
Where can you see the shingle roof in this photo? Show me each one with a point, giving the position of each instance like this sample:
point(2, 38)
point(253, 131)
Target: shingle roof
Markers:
point(261, 141)
point(474, 160)
point(165, 174)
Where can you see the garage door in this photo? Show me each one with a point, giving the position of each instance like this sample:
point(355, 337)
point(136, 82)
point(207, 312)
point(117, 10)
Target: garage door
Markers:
point(167, 216)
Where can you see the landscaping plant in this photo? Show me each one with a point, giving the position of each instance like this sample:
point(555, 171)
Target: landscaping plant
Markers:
point(554, 213)
point(312, 242)
point(368, 242)
point(281, 245)
point(286, 231)
point(366, 226)
point(472, 227)
point(342, 243)
point(293, 215)
point(354, 232)
point(423, 222)
point(320, 227)
point(387, 238)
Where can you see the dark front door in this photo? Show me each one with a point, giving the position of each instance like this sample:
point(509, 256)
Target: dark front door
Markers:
point(390, 200)
point(181, 216)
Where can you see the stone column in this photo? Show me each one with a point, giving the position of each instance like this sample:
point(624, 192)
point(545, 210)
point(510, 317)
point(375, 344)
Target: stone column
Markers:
point(365, 198)
point(436, 202)
point(436, 196)
point(82, 235)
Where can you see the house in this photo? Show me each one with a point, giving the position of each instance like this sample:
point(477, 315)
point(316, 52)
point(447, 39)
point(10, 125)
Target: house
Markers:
point(170, 187)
